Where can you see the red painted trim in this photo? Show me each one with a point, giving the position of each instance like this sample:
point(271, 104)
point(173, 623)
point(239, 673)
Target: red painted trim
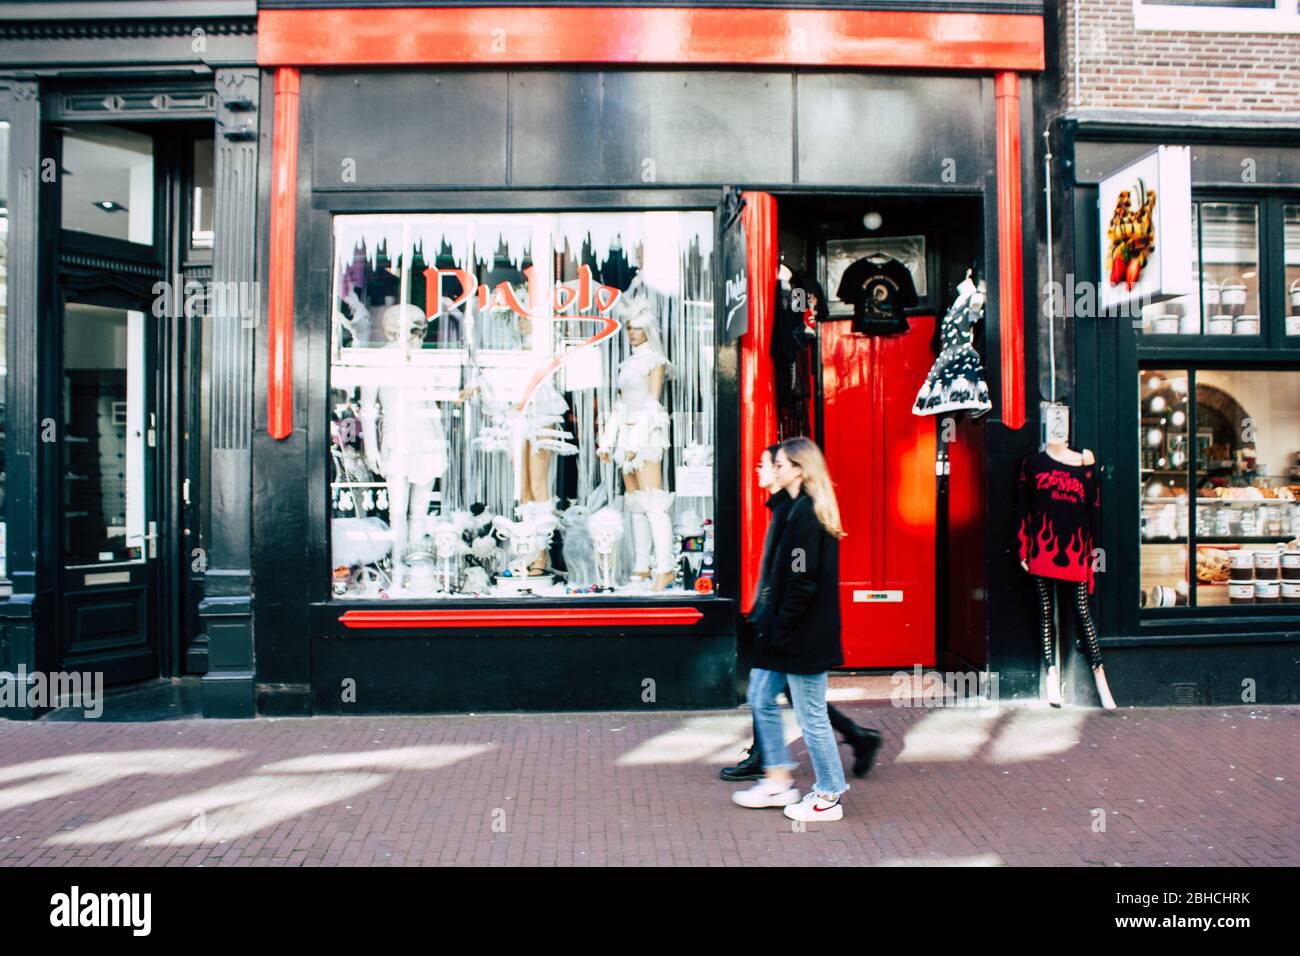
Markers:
point(736, 36)
point(397, 618)
point(284, 194)
point(757, 389)
point(1011, 317)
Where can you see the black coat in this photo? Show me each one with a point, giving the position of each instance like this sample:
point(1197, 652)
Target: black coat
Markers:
point(797, 615)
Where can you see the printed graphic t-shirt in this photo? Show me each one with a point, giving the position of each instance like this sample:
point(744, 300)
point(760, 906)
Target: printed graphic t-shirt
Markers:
point(879, 291)
point(1059, 510)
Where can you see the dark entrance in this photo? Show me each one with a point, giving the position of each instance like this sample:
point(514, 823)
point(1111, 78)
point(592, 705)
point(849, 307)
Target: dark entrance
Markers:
point(119, 403)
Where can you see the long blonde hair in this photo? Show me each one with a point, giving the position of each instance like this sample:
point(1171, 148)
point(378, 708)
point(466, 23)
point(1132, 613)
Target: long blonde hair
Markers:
point(817, 479)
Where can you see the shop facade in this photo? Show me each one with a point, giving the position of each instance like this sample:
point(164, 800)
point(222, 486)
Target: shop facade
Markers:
point(1192, 399)
point(483, 436)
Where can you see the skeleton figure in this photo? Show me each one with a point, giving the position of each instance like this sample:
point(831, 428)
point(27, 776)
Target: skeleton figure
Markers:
point(448, 547)
point(606, 527)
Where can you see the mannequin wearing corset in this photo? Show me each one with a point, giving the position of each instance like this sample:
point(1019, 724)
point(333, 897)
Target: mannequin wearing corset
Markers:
point(635, 437)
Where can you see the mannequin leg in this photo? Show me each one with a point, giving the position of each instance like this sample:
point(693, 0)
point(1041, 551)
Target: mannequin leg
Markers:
point(421, 496)
point(537, 490)
point(657, 502)
point(399, 505)
point(640, 527)
point(1047, 632)
point(1090, 644)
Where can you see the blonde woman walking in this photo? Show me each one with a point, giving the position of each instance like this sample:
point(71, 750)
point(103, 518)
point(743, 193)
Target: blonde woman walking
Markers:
point(798, 639)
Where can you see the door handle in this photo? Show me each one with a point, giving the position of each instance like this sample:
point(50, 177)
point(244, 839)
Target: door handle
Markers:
point(152, 538)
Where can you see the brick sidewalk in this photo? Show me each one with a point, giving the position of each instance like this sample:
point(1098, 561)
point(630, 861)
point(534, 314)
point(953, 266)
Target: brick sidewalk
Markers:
point(1191, 786)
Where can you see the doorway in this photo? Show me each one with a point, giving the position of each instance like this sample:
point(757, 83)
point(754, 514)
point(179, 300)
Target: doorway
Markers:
point(121, 397)
point(894, 563)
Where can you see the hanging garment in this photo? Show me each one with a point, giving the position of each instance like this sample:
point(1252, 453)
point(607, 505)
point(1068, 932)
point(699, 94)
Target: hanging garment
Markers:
point(956, 380)
point(879, 290)
point(1059, 510)
point(793, 334)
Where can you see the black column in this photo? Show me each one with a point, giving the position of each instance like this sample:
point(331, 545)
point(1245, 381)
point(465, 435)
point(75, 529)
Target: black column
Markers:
point(31, 601)
point(226, 610)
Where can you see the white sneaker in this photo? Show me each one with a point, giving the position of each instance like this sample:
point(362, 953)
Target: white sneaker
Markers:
point(816, 808)
point(766, 794)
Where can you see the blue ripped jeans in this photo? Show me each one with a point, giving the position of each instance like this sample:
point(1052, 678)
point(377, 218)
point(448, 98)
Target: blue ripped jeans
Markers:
point(808, 695)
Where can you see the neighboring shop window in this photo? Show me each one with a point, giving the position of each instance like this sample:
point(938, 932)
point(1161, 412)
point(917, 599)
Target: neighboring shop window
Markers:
point(4, 324)
point(522, 405)
point(1218, 16)
point(1232, 454)
point(1225, 259)
point(1291, 228)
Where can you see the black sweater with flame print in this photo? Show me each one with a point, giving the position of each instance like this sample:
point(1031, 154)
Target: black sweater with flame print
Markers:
point(1059, 511)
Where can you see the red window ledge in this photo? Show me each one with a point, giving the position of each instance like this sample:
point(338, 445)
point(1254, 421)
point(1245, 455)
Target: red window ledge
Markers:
point(481, 617)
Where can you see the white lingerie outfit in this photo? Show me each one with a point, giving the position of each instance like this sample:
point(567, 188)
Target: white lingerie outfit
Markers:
point(638, 430)
point(543, 423)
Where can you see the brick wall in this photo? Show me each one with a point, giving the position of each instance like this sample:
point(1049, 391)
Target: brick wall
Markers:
point(1124, 68)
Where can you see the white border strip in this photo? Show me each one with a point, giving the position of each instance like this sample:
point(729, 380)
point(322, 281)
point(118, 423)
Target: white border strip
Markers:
point(1283, 18)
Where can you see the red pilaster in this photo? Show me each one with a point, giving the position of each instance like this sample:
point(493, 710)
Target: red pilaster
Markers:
point(757, 394)
point(284, 190)
point(1011, 315)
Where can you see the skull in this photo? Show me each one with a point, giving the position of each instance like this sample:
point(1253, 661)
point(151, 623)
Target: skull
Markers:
point(606, 527)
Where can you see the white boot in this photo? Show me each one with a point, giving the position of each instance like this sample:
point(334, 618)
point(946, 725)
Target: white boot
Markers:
point(657, 502)
point(1103, 689)
point(640, 535)
point(1053, 686)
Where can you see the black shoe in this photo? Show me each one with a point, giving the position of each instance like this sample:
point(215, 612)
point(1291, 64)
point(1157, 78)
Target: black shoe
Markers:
point(751, 768)
point(865, 743)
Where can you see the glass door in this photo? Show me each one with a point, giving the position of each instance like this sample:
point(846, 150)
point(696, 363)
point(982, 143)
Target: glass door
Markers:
point(108, 439)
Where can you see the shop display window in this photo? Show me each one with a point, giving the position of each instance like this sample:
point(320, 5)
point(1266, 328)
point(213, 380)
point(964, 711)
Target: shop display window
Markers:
point(1220, 478)
point(522, 405)
point(1225, 260)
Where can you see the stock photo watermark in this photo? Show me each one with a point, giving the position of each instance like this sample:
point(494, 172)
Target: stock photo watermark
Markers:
point(36, 690)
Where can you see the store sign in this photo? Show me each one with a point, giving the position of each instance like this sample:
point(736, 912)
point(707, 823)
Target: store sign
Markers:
point(735, 273)
point(1146, 236)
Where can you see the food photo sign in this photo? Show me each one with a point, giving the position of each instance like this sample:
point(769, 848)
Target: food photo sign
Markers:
point(1146, 230)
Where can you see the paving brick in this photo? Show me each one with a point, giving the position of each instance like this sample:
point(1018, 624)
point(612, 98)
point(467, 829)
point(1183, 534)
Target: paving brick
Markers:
point(1186, 786)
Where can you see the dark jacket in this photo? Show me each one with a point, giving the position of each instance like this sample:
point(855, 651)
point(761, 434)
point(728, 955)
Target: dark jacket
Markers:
point(797, 614)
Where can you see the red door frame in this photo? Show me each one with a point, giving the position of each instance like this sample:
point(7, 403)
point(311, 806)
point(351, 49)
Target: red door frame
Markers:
point(1004, 44)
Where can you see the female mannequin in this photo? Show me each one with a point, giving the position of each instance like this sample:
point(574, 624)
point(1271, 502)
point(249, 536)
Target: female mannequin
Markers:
point(1059, 504)
point(411, 452)
point(636, 436)
point(543, 437)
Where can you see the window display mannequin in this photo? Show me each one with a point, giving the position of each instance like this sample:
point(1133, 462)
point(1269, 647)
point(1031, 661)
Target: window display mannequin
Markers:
point(538, 427)
point(635, 436)
point(411, 451)
point(1059, 505)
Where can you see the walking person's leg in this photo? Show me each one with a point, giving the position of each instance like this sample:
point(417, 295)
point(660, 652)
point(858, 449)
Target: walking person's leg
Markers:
point(776, 789)
point(808, 692)
point(865, 741)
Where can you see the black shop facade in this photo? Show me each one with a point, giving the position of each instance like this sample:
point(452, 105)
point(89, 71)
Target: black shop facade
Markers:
point(489, 442)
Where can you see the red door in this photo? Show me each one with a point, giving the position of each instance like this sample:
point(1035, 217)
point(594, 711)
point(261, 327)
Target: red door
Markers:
point(882, 459)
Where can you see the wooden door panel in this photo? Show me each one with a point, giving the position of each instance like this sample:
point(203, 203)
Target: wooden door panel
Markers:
point(882, 459)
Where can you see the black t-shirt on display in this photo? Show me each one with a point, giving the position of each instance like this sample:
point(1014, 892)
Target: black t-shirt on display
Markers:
point(879, 290)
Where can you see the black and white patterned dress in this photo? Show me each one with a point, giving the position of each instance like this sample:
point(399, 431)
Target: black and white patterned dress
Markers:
point(956, 380)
